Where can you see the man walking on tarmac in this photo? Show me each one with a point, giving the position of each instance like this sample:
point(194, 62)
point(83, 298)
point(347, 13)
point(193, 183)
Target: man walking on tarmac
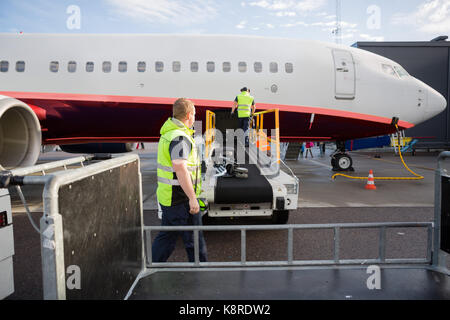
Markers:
point(179, 183)
point(245, 104)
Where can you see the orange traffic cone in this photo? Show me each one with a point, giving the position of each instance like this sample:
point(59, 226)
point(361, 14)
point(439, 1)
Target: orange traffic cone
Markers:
point(371, 182)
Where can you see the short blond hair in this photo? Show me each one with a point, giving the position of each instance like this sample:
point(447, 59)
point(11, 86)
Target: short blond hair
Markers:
point(181, 108)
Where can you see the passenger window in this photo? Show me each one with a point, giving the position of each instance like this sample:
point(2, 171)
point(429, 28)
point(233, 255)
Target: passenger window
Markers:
point(226, 66)
point(257, 67)
point(289, 67)
point(123, 66)
point(106, 66)
point(72, 66)
point(89, 66)
point(141, 66)
point(210, 67)
point(159, 66)
point(389, 70)
point(242, 66)
point(176, 66)
point(273, 67)
point(4, 66)
point(54, 66)
point(194, 66)
point(20, 66)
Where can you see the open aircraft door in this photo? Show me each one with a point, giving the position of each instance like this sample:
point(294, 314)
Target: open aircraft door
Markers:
point(344, 67)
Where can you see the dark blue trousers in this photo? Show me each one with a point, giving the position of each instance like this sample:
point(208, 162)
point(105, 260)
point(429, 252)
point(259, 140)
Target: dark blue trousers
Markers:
point(244, 125)
point(165, 241)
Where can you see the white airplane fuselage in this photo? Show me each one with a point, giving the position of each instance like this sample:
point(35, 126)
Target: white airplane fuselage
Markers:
point(87, 87)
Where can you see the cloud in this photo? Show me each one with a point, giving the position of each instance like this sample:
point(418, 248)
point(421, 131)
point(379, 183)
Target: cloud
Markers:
point(301, 7)
point(178, 12)
point(368, 37)
point(286, 14)
point(242, 25)
point(431, 16)
point(295, 24)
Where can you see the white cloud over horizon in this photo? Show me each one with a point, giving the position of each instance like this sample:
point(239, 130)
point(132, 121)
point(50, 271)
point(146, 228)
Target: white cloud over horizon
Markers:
point(178, 12)
point(301, 7)
point(431, 16)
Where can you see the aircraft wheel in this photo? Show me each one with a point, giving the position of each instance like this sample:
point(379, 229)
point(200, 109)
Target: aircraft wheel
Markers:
point(342, 162)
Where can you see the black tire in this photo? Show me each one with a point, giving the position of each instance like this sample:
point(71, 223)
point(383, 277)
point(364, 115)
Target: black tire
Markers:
point(280, 217)
point(333, 162)
point(343, 162)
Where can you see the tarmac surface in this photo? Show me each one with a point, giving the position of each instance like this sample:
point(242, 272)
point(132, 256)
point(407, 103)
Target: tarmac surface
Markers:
point(321, 200)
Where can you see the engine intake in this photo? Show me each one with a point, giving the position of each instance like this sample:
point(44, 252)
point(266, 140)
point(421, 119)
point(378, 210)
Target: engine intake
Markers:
point(20, 134)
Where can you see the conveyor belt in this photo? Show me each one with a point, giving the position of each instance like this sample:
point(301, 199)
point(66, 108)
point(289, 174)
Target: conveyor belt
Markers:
point(254, 189)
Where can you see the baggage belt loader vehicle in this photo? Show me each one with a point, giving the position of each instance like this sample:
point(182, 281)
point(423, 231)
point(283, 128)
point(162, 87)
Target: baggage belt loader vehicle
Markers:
point(240, 181)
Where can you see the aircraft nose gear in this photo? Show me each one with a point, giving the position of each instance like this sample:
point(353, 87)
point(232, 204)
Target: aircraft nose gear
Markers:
point(342, 162)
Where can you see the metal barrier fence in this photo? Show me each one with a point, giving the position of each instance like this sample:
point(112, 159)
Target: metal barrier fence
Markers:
point(290, 256)
point(92, 217)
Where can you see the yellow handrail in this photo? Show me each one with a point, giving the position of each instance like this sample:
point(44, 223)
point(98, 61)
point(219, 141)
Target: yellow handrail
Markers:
point(260, 138)
point(210, 132)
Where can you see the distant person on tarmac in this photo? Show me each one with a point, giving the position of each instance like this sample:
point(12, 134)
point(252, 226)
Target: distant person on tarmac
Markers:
point(245, 104)
point(309, 145)
point(179, 183)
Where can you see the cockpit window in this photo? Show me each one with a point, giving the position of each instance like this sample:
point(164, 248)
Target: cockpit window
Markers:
point(401, 72)
point(389, 70)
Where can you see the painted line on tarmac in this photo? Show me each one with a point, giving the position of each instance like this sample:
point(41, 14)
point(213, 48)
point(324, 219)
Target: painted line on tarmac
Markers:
point(319, 163)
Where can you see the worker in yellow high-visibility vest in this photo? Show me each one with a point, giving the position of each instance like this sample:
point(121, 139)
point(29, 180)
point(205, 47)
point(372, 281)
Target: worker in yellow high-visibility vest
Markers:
point(179, 183)
point(245, 104)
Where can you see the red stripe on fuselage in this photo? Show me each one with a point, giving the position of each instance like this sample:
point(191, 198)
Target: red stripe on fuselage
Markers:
point(200, 103)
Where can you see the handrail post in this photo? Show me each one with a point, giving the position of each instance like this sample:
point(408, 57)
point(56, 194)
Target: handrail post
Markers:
point(243, 246)
point(336, 244)
point(148, 240)
point(277, 133)
point(290, 245)
point(382, 245)
point(196, 247)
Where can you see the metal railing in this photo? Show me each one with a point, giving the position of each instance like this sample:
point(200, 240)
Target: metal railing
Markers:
point(260, 138)
point(210, 133)
point(290, 245)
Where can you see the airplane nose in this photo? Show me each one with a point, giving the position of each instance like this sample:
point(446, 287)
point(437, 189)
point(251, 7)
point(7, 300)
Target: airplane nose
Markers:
point(436, 102)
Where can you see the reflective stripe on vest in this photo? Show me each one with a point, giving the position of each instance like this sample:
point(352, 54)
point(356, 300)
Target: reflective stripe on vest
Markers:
point(170, 169)
point(172, 182)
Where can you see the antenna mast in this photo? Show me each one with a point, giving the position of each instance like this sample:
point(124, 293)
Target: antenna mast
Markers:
point(338, 30)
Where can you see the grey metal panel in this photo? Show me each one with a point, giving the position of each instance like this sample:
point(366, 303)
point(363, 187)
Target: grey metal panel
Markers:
point(428, 62)
point(315, 283)
point(102, 232)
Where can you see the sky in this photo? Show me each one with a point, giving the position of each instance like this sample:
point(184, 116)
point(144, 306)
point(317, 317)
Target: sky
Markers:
point(361, 20)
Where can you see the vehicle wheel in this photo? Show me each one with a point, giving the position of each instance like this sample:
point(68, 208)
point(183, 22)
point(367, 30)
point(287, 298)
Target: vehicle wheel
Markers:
point(280, 217)
point(343, 162)
point(333, 162)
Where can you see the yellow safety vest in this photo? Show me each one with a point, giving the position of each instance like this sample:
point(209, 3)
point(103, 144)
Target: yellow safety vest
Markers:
point(165, 172)
point(245, 101)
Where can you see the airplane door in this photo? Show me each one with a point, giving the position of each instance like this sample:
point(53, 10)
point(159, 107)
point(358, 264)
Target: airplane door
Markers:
point(344, 70)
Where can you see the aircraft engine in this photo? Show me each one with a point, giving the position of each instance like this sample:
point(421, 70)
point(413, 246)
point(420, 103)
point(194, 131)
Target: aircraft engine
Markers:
point(20, 134)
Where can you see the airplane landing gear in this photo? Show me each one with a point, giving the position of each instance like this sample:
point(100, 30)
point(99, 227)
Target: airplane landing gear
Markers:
point(341, 161)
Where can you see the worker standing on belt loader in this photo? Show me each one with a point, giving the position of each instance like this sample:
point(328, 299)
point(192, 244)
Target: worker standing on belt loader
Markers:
point(245, 104)
point(179, 183)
